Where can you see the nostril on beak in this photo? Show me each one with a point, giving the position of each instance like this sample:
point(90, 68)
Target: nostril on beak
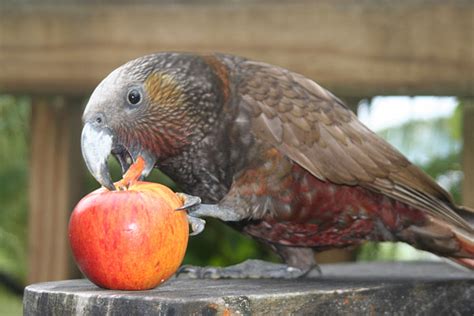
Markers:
point(99, 119)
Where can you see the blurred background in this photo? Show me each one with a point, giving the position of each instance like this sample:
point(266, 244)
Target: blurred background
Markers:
point(406, 67)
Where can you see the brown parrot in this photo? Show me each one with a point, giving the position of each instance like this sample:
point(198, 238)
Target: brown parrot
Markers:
point(271, 153)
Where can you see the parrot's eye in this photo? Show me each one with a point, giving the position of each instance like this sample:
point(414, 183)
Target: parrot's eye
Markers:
point(134, 97)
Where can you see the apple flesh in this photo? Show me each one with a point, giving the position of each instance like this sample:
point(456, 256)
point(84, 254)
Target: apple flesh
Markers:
point(129, 239)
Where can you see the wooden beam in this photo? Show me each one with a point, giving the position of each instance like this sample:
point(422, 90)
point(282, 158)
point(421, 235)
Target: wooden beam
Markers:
point(468, 152)
point(354, 48)
point(55, 185)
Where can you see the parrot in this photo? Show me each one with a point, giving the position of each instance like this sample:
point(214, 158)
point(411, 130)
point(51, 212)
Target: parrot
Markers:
point(272, 154)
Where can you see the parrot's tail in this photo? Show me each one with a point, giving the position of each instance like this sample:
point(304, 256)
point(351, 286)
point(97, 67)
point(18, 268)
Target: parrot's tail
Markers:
point(465, 239)
point(465, 254)
point(445, 239)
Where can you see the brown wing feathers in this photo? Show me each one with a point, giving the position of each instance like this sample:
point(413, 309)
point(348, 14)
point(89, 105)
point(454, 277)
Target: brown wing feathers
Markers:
point(315, 129)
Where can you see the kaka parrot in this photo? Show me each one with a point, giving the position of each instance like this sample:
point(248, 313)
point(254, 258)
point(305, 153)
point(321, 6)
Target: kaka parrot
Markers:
point(273, 154)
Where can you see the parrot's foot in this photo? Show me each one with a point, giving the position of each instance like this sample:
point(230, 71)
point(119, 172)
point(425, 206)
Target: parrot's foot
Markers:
point(189, 202)
point(193, 205)
point(249, 269)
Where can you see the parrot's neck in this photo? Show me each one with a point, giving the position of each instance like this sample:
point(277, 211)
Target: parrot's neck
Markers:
point(207, 168)
point(199, 174)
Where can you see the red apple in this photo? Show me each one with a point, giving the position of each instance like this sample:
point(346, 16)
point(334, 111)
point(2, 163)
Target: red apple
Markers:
point(131, 238)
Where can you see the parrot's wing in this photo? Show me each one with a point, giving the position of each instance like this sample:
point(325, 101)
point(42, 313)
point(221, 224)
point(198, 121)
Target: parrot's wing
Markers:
point(315, 129)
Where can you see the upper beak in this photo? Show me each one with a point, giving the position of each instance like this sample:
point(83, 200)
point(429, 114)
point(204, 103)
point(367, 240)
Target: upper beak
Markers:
point(96, 146)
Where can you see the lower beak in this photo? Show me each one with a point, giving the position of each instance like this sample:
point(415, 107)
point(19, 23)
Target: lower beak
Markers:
point(96, 146)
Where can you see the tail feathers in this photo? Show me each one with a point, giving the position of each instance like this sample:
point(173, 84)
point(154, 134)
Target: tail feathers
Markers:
point(467, 214)
point(443, 239)
point(466, 209)
point(465, 256)
point(466, 243)
point(464, 262)
point(458, 263)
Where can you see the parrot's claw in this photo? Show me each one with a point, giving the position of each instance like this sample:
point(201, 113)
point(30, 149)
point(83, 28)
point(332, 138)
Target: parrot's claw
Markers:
point(190, 202)
point(197, 225)
point(249, 269)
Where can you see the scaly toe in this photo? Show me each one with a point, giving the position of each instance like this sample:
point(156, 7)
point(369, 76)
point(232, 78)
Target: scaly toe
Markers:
point(189, 202)
point(188, 272)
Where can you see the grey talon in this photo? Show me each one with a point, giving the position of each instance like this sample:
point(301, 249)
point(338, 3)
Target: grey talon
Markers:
point(189, 201)
point(197, 225)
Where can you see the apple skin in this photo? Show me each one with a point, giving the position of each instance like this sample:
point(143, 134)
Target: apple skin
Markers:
point(130, 239)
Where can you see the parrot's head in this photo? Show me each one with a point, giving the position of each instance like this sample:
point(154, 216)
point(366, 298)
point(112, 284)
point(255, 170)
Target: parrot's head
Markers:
point(153, 107)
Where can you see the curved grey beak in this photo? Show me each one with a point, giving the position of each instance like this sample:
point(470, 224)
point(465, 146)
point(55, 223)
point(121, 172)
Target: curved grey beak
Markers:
point(96, 146)
point(97, 143)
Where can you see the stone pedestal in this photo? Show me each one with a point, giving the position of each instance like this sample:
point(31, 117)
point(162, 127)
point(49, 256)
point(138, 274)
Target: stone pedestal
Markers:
point(343, 289)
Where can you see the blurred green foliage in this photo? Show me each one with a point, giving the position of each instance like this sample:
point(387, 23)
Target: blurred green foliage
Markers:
point(220, 245)
point(10, 304)
point(14, 131)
